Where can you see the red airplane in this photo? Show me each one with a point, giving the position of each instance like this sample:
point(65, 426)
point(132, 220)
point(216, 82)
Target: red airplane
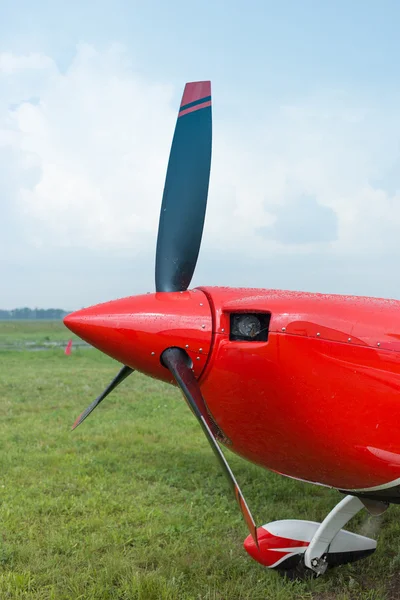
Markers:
point(306, 385)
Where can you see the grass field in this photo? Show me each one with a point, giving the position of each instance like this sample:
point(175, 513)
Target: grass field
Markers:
point(132, 505)
point(35, 331)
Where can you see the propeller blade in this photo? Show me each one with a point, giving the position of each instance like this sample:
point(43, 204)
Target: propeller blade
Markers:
point(176, 360)
point(123, 374)
point(184, 200)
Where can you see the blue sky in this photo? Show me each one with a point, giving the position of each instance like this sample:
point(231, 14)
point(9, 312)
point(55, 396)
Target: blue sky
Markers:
point(305, 181)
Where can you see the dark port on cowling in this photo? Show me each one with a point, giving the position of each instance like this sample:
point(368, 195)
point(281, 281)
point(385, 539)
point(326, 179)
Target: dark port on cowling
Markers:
point(249, 327)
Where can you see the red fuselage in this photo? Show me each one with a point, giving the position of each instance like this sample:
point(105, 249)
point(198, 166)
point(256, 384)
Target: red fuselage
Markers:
point(319, 400)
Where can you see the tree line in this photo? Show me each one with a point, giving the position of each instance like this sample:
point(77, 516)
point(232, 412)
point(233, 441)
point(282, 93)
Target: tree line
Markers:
point(32, 313)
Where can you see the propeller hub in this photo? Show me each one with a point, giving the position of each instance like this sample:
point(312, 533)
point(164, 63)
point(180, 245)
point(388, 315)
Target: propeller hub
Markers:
point(136, 330)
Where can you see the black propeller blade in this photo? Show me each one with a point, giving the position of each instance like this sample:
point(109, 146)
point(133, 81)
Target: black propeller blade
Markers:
point(184, 203)
point(123, 374)
point(185, 193)
point(176, 360)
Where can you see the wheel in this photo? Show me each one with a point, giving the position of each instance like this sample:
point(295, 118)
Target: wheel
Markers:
point(296, 571)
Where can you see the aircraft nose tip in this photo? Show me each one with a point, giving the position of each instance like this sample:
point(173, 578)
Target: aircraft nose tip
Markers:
point(78, 321)
point(95, 324)
point(136, 330)
point(70, 320)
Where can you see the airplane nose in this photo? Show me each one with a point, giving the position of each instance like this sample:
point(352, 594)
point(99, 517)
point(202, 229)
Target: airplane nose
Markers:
point(136, 330)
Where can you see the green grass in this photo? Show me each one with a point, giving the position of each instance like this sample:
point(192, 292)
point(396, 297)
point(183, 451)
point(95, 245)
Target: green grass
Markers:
point(132, 505)
point(37, 331)
point(21, 335)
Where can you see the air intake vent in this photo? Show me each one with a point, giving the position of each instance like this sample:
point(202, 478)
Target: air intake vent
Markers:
point(249, 327)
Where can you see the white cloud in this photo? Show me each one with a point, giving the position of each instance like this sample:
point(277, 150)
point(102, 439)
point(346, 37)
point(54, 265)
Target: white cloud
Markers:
point(325, 149)
point(10, 63)
point(97, 138)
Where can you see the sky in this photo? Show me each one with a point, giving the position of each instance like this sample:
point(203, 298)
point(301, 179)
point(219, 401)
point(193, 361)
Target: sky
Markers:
point(305, 177)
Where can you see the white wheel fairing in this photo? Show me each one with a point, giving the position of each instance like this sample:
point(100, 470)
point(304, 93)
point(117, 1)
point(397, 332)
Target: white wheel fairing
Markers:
point(281, 540)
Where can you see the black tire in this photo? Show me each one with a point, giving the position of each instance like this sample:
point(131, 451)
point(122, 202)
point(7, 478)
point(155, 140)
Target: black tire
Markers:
point(298, 572)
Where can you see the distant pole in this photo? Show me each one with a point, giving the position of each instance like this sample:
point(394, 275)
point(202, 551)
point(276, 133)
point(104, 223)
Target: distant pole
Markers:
point(68, 348)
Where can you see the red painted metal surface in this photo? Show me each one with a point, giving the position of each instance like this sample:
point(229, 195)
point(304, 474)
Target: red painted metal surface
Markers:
point(272, 549)
point(136, 330)
point(195, 91)
point(318, 401)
